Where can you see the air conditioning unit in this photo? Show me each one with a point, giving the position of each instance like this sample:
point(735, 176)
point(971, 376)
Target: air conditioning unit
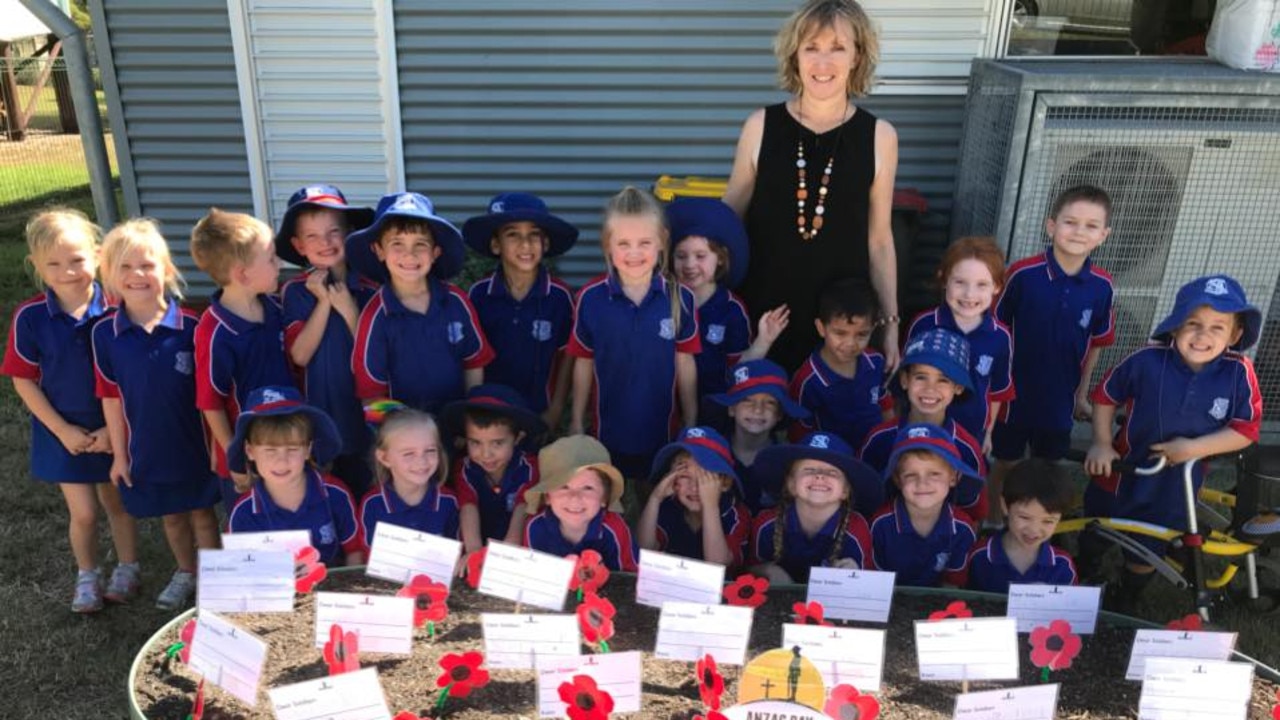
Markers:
point(1189, 152)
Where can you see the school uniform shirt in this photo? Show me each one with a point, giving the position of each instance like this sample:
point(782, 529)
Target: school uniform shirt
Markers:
point(1055, 319)
point(53, 349)
point(327, 382)
point(725, 330)
point(527, 335)
point(327, 511)
point(991, 571)
point(235, 356)
point(1165, 399)
point(634, 348)
point(848, 407)
point(416, 358)
point(675, 536)
point(801, 553)
point(922, 561)
point(750, 487)
point(990, 367)
point(436, 514)
point(968, 493)
point(607, 534)
point(497, 503)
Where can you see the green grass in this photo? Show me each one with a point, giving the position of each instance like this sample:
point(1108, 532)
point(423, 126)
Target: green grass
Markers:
point(34, 183)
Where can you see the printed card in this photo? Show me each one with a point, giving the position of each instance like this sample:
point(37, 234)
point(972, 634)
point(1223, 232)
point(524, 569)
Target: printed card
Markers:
point(237, 581)
point(384, 623)
point(967, 649)
point(290, 541)
point(1177, 644)
point(616, 673)
point(687, 631)
point(516, 642)
point(1189, 689)
point(398, 553)
point(1036, 605)
point(350, 696)
point(228, 656)
point(853, 656)
point(664, 577)
point(861, 595)
point(1030, 702)
point(526, 576)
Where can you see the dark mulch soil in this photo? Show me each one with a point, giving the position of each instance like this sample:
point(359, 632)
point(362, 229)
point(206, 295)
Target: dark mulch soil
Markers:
point(1093, 688)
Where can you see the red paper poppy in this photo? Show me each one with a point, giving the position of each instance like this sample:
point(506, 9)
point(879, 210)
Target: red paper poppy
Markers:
point(711, 715)
point(595, 618)
point(308, 569)
point(197, 707)
point(429, 599)
point(747, 591)
point(809, 613)
point(589, 574)
point(462, 673)
point(846, 703)
point(186, 636)
point(585, 701)
point(956, 609)
point(342, 651)
point(406, 715)
point(1275, 711)
point(710, 682)
point(1188, 622)
point(475, 563)
point(1055, 646)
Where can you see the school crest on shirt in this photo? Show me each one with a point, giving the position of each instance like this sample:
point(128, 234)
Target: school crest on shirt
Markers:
point(875, 394)
point(1085, 317)
point(984, 365)
point(184, 362)
point(1220, 407)
point(940, 561)
point(542, 330)
point(715, 334)
point(455, 333)
point(667, 329)
point(328, 535)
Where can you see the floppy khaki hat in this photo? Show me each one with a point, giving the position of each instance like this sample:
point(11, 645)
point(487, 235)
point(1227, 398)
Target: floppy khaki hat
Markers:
point(564, 458)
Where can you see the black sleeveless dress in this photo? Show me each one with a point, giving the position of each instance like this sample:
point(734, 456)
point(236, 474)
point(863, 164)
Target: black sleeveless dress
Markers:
point(785, 268)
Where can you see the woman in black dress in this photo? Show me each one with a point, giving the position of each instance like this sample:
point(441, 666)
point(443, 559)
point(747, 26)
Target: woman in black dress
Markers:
point(813, 179)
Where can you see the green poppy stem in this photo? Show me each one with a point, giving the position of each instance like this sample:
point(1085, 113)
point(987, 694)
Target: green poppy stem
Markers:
point(579, 593)
point(174, 649)
point(444, 697)
point(1044, 674)
point(431, 630)
point(604, 646)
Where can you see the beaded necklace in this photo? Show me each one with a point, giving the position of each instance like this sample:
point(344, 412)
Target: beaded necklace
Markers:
point(802, 191)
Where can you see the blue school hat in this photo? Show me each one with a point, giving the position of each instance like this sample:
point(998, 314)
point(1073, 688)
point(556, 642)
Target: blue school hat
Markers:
point(715, 221)
point(360, 254)
point(753, 377)
point(515, 207)
point(495, 398)
point(708, 448)
point(271, 400)
point(942, 349)
point(923, 436)
point(316, 196)
point(773, 462)
point(1220, 292)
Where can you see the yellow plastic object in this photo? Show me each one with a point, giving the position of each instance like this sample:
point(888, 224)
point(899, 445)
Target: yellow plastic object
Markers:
point(1217, 543)
point(668, 188)
point(1217, 497)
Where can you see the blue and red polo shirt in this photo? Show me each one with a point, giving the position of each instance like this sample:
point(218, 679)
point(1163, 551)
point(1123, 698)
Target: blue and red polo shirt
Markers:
point(1055, 319)
point(416, 358)
point(990, 367)
point(991, 571)
point(675, 536)
point(634, 348)
point(725, 328)
point(497, 503)
point(848, 407)
point(436, 514)
point(607, 534)
point(917, 560)
point(527, 335)
point(969, 494)
point(800, 553)
point(327, 511)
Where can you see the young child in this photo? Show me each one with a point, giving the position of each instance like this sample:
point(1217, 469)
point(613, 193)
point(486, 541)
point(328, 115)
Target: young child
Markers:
point(756, 402)
point(49, 358)
point(691, 511)
point(634, 339)
point(920, 535)
point(935, 372)
point(494, 423)
point(526, 313)
point(971, 274)
point(841, 382)
point(419, 340)
point(144, 361)
point(1058, 307)
point(239, 341)
point(280, 443)
point(1189, 395)
point(816, 522)
point(581, 491)
point(1035, 495)
point(321, 308)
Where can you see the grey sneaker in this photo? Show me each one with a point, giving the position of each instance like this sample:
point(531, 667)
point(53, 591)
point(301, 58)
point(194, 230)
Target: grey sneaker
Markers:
point(178, 592)
point(88, 597)
point(124, 583)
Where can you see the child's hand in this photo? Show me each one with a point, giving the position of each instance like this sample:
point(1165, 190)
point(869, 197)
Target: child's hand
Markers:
point(773, 323)
point(317, 284)
point(241, 481)
point(708, 487)
point(666, 487)
point(1098, 461)
point(845, 563)
point(986, 443)
point(74, 438)
point(776, 574)
point(1084, 409)
point(341, 299)
point(890, 349)
point(119, 472)
point(101, 441)
point(1176, 451)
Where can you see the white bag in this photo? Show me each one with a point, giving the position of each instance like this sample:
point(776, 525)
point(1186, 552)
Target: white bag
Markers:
point(1246, 34)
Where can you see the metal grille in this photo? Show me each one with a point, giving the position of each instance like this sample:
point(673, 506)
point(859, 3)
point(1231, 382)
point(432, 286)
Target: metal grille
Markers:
point(988, 133)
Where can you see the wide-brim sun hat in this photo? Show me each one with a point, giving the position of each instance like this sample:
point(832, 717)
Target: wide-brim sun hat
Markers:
point(714, 220)
point(931, 438)
point(754, 377)
point(1220, 292)
point(327, 197)
point(274, 400)
point(774, 462)
point(495, 398)
point(360, 253)
point(942, 349)
point(518, 207)
point(708, 448)
point(566, 457)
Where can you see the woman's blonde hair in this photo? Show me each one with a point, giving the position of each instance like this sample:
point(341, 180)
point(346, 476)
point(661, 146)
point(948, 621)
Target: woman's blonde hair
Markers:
point(399, 419)
point(633, 202)
point(813, 16)
point(50, 228)
point(139, 234)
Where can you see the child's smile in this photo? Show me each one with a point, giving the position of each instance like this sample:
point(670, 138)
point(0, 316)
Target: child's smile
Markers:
point(925, 481)
point(817, 483)
point(695, 263)
point(1205, 335)
point(928, 391)
point(970, 289)
point(757, 414)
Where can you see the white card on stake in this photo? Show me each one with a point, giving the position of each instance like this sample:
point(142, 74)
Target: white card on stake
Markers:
point(515, 642)
point(1039, 605)
point(687, 631)
point(861, 595)
point(349, 696)
point(228, 656)
point(384, 623)
point(399, 553)
point(525, 576)
point(850, 656)
point(616, 673)
point(1189, 689)
point(967, 649)
point(291, 541)
point(236, 581)
point(1177, 644)
point(664, 577)
point(1030, 702)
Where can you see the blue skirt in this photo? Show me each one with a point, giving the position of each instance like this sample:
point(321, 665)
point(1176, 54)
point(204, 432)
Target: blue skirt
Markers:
point(51, 463)
point(151, 499)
